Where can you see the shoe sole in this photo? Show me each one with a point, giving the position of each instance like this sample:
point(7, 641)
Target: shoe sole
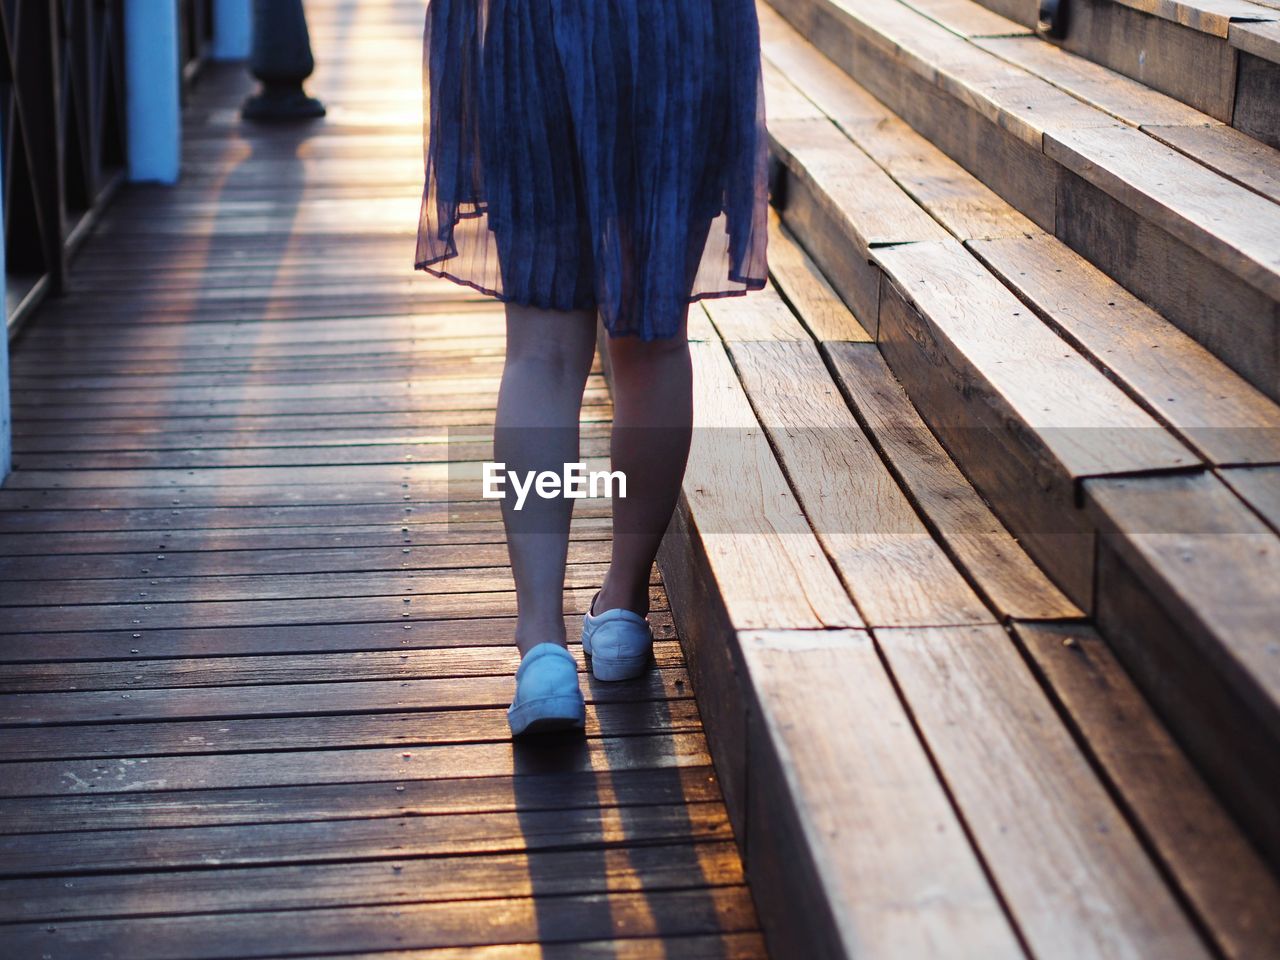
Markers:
point(547, 714)
point(619, 668)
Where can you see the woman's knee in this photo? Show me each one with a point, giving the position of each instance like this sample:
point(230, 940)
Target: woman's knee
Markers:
point(561, 343)
point(632, 353)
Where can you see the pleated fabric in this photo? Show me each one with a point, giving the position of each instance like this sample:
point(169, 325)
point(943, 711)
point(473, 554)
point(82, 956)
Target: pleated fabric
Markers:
point(595, 153)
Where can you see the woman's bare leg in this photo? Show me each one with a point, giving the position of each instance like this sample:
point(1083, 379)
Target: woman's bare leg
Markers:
point(549, 356)
point(652, 428)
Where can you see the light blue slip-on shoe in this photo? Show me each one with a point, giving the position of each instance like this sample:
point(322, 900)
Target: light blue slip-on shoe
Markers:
point(619, 643)
point(547, 693)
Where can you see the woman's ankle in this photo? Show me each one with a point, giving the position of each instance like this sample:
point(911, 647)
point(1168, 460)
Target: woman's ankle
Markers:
point(529, 635)
point(627, 598)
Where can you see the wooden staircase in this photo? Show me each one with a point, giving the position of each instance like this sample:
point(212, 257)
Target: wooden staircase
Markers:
point(988, 646)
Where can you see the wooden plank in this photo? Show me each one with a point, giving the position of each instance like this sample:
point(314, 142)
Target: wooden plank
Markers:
point(1187, 598)
point(783, 101)
point(1239, 324)
point(1261, 39)
point(769, 566)
point(849, 182)
point(1083, 420)
point(56, 646)
point(709, 641)
point(837, 854)
point(278, 768)
point(544, 789)
point(961, 203)
point(141, 617)
point(442, 542)
point(444, 835)
point(1125, 99)
point(894, 570)
point(396, 552)
point(1259, 487)
point(1213, 17)
point(1230, 225)
point(967, 19)
point(165, 738)
point(1024, 12)
point(1172, 528)
point(29, 595)
point(1076, 879)
point(808, 292)
point(1194, 67)
point(1257, 95)
point(1229, 886)
point(397, 927)
point(139, 674)
point(635, 867)
point(995, 562)
point(762, 316)
point(1163, 368)
point(1233, 154)
point(729, 946)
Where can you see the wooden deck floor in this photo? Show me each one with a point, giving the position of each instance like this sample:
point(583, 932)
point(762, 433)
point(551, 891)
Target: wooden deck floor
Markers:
point(255, 663)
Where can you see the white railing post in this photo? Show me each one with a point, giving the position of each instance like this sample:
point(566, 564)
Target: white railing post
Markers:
point(153, 86)
point(232, 29)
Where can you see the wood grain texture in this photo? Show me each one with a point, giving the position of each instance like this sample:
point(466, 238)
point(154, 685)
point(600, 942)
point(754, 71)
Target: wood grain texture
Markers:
point(968, 19)
point(1231, 152)
point(406, 879)
point(895, 571)
point(1186, 64)
point(1075, 877)
point(1213, 17)
point(1261, 39)
point(854, 187)
point(1257, 112)
point(807, 290)
point(956, 514)
point(1233, 227)
point(1163, 368)
point(1259, 487)
point(1236, 322)
point(1084, 421)
point(566, 920)
point(1230, 887)
point(1122, 97)
point(761, 550)
point(864, 890)
point(1187, 598)
point(763, 316)
point(1190, 534)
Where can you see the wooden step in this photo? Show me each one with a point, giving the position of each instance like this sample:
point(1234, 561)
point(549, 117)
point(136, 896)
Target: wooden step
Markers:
point(1189, 240)
point(1186, 581)
point(1221, 875)
point(1043, 379)
point(856, 677)
point(1159, 366)
point(1219, 56)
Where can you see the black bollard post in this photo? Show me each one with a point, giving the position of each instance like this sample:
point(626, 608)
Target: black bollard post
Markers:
point(1053, 19)
point(281, 60)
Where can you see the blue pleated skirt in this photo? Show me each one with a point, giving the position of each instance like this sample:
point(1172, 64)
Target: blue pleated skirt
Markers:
point(606, 154)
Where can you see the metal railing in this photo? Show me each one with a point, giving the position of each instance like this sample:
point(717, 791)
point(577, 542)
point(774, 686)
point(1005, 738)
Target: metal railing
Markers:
point(62, 128)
